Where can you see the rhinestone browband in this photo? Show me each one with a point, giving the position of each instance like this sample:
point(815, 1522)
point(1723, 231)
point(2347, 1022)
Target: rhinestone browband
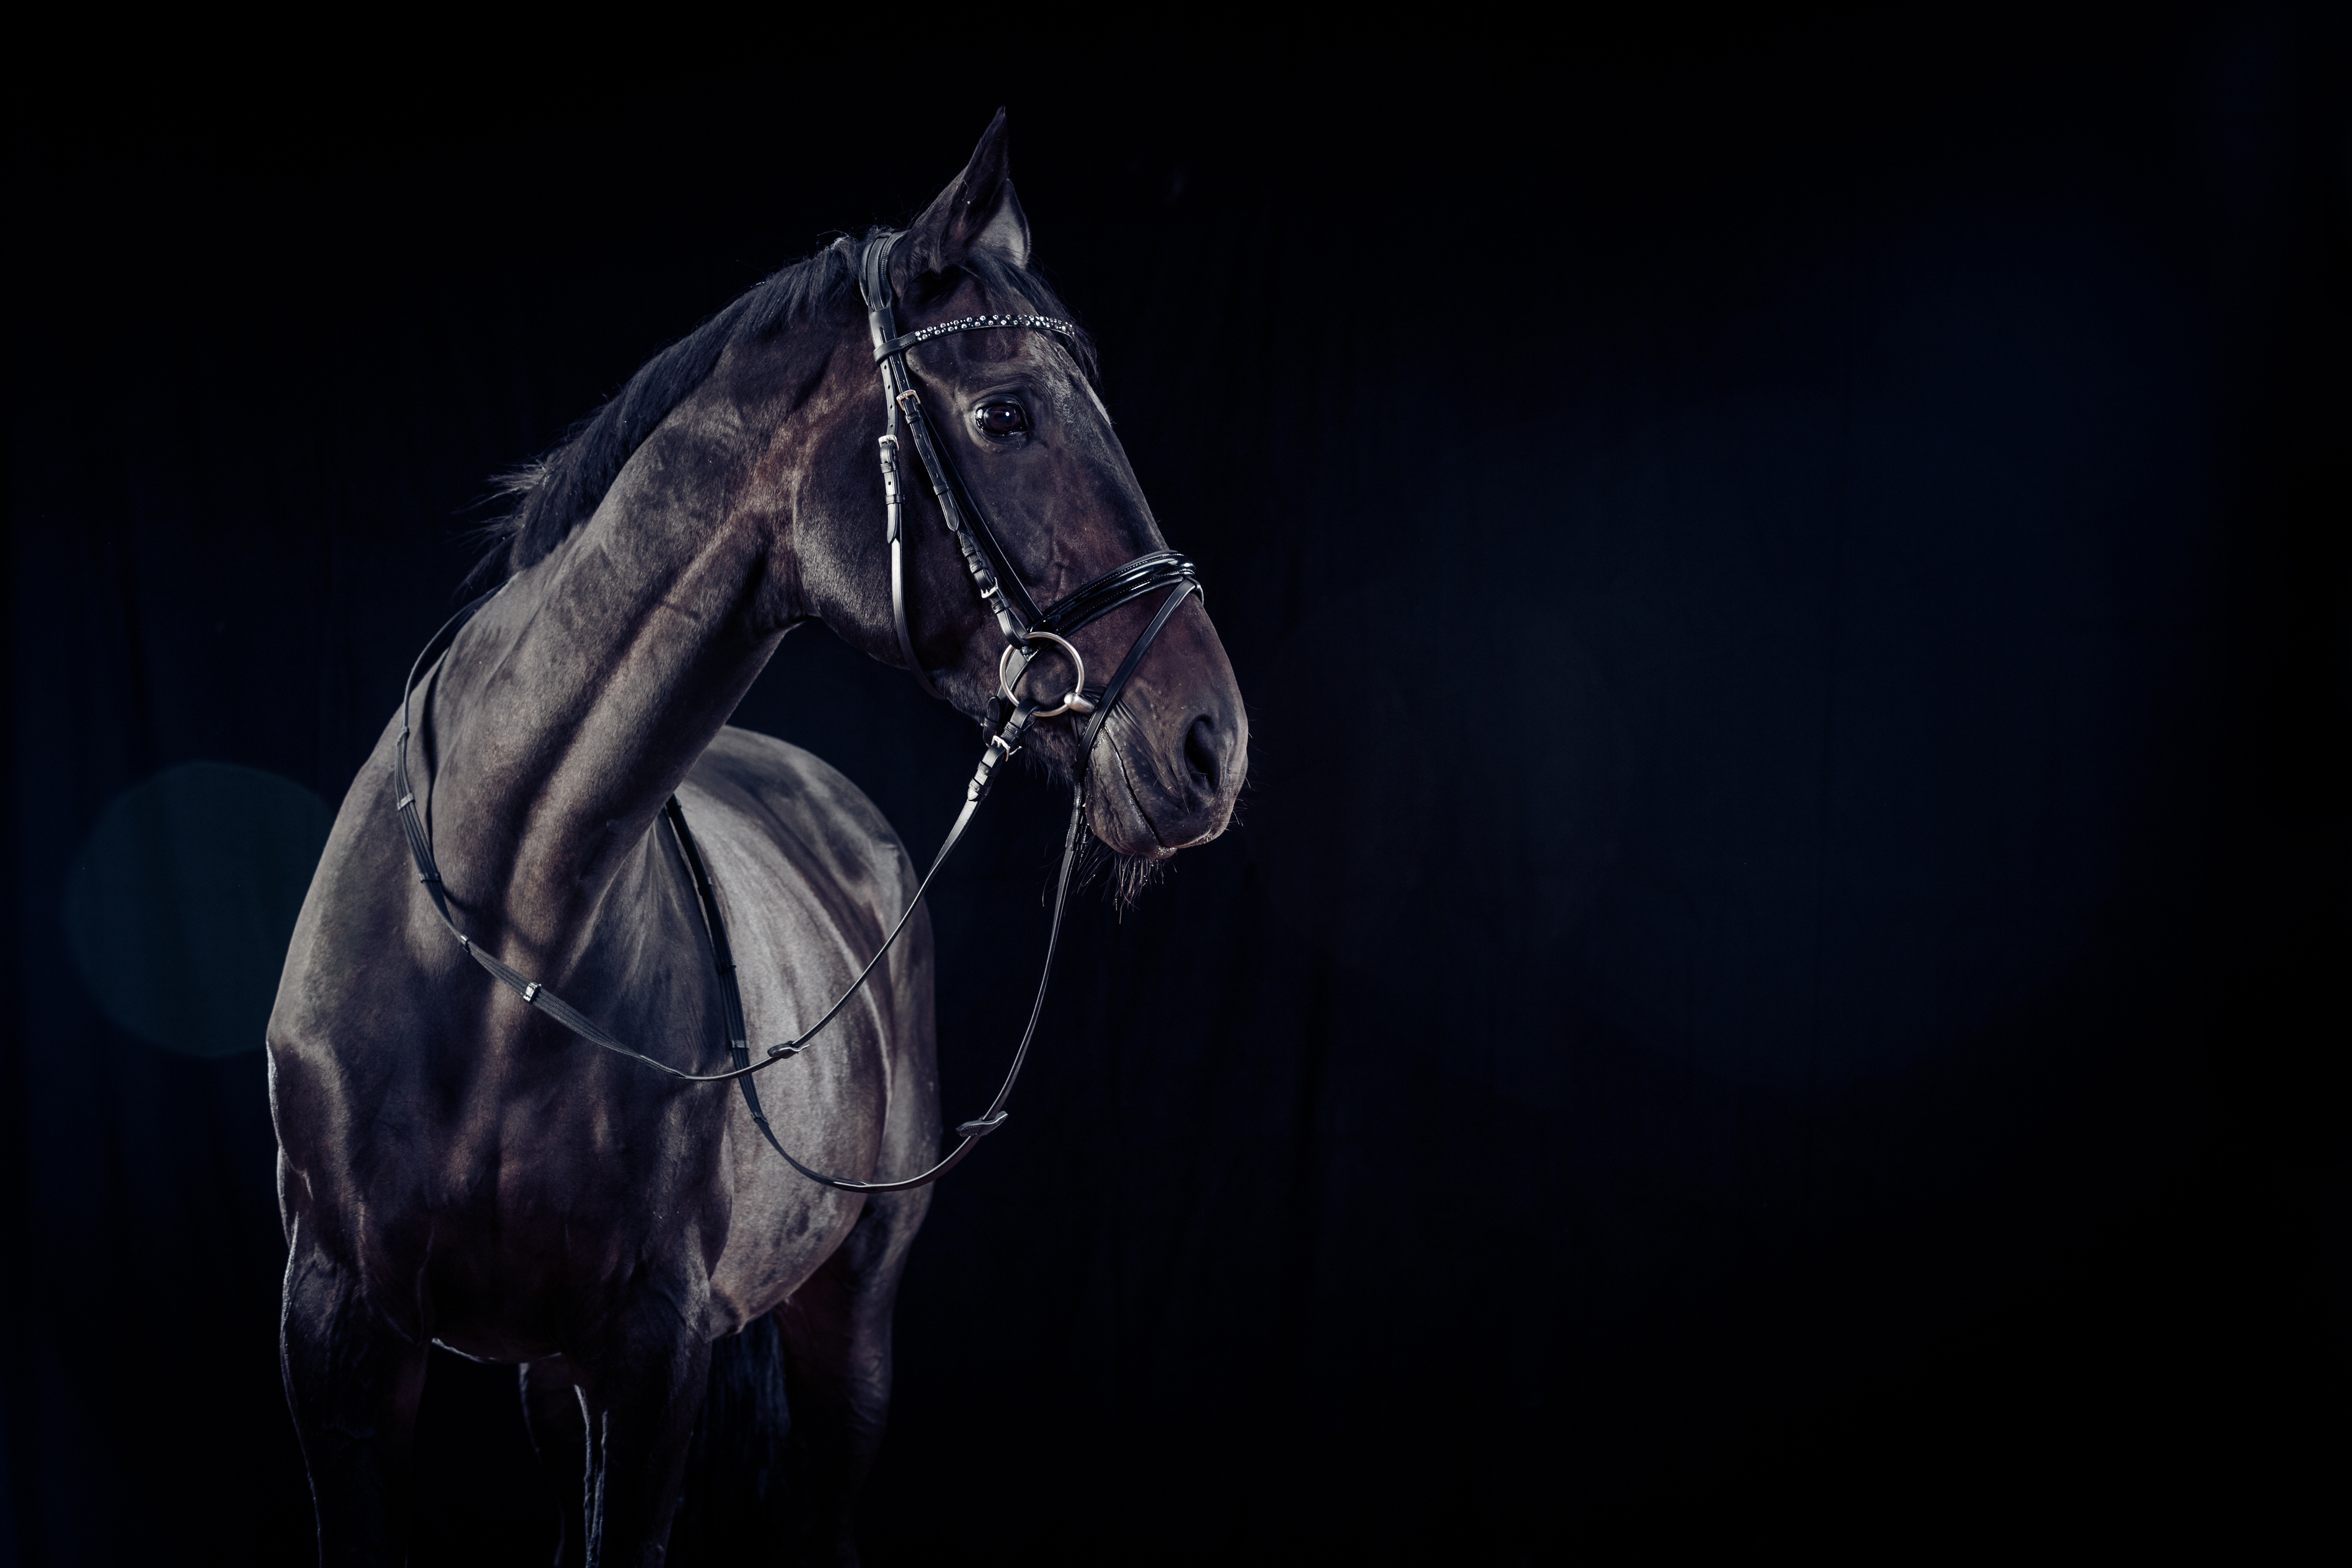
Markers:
point(970, 323)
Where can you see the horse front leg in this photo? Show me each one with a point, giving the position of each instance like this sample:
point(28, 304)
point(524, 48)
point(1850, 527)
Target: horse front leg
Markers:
point(557, 1419)
point(352, 1383)
point(641, 1399)
point(836, 1335)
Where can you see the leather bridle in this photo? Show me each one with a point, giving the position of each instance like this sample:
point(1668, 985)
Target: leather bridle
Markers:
point(997, 580)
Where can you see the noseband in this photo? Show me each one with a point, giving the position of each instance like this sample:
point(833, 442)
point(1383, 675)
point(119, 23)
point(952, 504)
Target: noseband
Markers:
point(997, 580)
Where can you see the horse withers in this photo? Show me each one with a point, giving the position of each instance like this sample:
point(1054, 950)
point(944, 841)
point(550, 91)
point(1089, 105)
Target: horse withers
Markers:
point(455, 1166)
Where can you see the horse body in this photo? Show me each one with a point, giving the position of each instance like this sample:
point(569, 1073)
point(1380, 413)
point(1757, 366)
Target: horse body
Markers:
point(456, 1168)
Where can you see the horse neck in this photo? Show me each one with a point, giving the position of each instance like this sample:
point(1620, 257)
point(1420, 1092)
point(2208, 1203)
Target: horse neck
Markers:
point(571, 708)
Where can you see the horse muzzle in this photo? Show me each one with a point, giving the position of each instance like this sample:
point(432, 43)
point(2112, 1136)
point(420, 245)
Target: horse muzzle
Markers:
point(1168, 766)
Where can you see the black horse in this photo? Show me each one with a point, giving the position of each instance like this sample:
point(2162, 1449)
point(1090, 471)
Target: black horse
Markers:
point(456, 1168)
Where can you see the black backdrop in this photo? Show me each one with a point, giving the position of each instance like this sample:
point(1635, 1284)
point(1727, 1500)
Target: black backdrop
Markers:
point(1782, 973)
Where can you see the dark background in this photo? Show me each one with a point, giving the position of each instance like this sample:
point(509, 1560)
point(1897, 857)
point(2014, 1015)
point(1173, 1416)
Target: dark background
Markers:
point(1782, 977)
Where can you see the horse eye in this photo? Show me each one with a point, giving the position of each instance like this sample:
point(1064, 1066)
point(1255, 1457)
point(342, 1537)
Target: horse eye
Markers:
point(1002, 418)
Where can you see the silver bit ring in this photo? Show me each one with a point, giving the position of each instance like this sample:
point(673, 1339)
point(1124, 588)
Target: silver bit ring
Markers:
point(1073, 703)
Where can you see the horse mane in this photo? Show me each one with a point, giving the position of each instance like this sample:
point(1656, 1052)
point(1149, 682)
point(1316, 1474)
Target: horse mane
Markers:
point(561, 489)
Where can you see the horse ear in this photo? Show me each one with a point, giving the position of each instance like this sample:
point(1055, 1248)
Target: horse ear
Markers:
point(978, 211)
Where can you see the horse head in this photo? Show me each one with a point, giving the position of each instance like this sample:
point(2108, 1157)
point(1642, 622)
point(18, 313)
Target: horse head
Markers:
point(1021, 422)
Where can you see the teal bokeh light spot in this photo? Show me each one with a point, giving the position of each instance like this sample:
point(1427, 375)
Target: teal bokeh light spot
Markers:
point(180, 906)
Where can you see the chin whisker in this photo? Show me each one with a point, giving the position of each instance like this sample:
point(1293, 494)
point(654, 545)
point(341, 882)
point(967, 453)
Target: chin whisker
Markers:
point(1123, 877)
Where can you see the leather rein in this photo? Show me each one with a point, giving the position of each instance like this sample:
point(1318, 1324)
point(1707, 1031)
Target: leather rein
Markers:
point(1023, 626)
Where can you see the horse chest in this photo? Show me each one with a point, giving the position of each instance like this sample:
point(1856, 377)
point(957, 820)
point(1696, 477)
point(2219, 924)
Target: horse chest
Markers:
point(528, 1247)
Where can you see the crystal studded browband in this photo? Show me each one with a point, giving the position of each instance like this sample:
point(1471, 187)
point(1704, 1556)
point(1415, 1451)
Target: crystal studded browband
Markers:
point(970, 323)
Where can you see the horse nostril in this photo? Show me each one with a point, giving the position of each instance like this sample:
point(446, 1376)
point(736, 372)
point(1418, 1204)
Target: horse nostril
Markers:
point(1200, 751)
